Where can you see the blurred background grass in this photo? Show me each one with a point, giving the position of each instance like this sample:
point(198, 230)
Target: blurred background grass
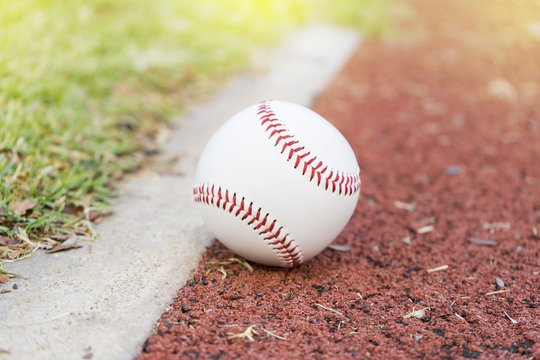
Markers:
point(86, 87)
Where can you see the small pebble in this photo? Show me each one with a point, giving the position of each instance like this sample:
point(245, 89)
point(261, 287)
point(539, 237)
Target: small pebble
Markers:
point(483, 242)
point(452, 170)
point(15, 286)
point(499, 282)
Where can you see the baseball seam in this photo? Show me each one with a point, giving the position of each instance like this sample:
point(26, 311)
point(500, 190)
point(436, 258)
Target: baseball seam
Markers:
point(274, 235)
point(336, 181)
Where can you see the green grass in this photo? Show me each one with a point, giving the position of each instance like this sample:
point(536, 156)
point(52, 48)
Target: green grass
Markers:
point(86, 87)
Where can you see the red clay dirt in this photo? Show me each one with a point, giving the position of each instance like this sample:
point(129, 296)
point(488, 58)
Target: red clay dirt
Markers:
point(445, 120)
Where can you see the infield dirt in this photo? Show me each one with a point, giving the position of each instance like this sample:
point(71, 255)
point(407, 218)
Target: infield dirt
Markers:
point(440, 259)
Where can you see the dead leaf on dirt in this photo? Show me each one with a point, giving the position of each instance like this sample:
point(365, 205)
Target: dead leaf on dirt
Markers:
point(22, 207)
point(14, 255)
point(96, 215)
point(340, 247)
point(77, 210)
point(70, 243)
point(4, 278)
point(59, 236)
point(7, 241)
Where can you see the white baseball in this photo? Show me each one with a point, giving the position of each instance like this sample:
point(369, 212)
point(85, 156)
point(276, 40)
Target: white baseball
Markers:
point(277, 183)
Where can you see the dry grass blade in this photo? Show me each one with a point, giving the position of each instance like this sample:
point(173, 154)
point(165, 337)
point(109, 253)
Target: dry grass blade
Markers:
point(497, 292)
point(248, 333)
point(406, 240)
point(230, 261)
point(497, 226)
point(36, 322)
point(272, 334)
point(405, 206)
point(508, 316)
point(329, 309)
point(222, 270)
point(420, 313)
point(442, 267)
point(425, 229)
point(244, 263)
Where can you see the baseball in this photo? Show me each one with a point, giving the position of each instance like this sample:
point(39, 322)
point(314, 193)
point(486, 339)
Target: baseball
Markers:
point(277, 183)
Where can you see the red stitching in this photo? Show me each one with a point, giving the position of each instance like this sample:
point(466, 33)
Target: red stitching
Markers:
point(286, 248)
point(344, 183)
